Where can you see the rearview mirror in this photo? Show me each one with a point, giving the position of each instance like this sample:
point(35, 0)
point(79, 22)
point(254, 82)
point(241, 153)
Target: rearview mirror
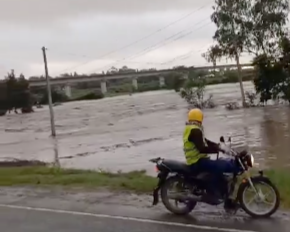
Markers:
point(222, 139)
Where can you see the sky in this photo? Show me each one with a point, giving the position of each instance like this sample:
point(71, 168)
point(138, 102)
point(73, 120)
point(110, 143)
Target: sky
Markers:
point(89, 36)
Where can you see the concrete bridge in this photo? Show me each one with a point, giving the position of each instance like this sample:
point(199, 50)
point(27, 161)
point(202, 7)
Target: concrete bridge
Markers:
point(133, 76)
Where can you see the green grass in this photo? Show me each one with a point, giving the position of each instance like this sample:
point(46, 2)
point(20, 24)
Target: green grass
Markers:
point(281, 178)
point(136, 181)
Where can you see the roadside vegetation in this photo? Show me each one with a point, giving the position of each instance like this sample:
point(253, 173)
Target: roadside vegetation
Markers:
point(15, 94)
point(260, 29)
point(136, 181)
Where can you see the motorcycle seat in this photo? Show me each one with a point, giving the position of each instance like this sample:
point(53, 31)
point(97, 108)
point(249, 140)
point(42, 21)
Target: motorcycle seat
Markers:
point(177, 166)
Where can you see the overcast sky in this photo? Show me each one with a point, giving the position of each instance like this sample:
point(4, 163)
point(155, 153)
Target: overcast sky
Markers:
point(93, 35)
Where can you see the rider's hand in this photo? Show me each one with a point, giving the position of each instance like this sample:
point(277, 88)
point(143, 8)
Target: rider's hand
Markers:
point(221, 148)
point(224, 149)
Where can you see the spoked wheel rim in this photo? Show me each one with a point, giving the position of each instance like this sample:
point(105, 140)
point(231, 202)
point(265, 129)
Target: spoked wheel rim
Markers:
point(261, 202)
point(177, 188)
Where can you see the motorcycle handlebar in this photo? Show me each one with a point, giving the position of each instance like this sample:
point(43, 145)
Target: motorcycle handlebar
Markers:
point(229, 151)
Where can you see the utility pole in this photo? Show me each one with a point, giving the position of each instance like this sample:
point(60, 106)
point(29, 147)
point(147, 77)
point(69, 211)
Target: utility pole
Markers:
point(52, 125)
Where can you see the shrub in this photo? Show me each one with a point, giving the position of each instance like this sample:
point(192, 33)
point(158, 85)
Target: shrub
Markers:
point(55, 95)
point(90, 96)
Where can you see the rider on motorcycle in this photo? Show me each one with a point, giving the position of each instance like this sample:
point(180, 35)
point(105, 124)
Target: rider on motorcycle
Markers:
point(196, 149)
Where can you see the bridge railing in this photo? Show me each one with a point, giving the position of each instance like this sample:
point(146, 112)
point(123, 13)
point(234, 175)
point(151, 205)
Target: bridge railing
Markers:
point(163, 71)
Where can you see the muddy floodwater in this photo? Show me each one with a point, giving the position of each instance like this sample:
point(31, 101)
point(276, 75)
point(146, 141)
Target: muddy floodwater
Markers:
point(123, 133)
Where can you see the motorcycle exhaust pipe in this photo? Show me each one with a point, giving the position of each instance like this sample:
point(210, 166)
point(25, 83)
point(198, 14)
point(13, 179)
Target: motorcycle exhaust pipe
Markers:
point(182, 197)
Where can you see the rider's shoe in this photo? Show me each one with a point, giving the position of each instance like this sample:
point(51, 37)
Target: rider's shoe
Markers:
point(230, 205)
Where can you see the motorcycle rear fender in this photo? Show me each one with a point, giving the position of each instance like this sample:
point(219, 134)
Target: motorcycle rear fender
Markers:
point(162, 177)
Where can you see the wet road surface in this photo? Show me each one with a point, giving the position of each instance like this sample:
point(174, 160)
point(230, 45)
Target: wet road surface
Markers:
point(16, 220)
point(122, 133)
point(76, 210)
point(27, 219)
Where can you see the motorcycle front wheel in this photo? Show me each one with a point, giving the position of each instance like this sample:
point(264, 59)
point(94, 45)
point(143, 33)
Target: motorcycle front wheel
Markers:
point(259, 197)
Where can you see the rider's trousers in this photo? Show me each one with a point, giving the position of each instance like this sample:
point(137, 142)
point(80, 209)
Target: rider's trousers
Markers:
point(217, 168)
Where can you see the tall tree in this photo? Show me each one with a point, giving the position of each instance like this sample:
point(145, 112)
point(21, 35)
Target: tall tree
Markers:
point(230, 34)
point(254, 26)
point(265, 22)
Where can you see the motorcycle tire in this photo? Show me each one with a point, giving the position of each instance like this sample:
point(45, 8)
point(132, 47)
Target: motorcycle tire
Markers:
point(255, 181)
point(164, 190)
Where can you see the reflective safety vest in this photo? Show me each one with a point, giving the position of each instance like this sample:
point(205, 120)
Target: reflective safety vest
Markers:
point(192, 155)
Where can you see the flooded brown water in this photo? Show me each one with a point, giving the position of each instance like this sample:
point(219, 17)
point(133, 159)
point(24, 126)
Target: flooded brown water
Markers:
point(123, 133)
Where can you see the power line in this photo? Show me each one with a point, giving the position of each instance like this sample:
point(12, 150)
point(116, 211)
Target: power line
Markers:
point(158, 45)
point(139, 40)
point(161, 44)
point(188, 54)
point(183, 56)
point(88, 57)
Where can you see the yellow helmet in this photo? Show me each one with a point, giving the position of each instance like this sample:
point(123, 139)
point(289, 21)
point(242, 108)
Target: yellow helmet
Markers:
point(195, 115)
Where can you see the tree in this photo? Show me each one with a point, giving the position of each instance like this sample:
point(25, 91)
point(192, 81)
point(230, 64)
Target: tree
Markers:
point(212, 55)
point(55, 95)
point(126, 69)
point(174, 81)
point(267, 40)
point(230, 34)
point(265, 23)
point(195, 96)
point(252, 26)
point(66, 75)
point(273, 74)
point(112, 70)
point(15, 93)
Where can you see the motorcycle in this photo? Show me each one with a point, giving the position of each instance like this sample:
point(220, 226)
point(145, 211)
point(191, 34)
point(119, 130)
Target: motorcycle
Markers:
point(192, 186)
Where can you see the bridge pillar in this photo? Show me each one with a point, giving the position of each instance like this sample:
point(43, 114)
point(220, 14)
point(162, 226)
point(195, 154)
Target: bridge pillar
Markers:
point(161, 82)
point(67, 91)
point(135, 83)
point(103, 87)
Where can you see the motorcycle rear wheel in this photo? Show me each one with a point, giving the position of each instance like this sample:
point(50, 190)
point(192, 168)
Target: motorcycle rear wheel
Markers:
point(189, 206)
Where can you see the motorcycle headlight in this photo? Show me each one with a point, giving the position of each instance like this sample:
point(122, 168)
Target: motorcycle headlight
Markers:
point(252, 160)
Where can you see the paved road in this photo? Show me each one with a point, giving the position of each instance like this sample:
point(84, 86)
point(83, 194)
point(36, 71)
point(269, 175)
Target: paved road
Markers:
point(45, 210)
point(22, 220)
point(26, 219)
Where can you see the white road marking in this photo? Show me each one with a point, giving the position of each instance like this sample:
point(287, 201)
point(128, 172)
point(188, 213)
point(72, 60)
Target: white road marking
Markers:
point(201, 227)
